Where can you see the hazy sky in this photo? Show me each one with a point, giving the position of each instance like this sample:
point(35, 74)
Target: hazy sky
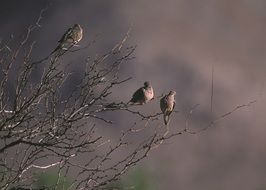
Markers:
point(178, 43)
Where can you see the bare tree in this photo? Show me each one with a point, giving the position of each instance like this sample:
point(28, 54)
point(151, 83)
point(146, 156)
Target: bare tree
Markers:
point(42, 128)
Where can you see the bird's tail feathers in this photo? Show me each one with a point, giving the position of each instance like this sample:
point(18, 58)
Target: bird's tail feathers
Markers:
point(130, 103)
point(166, 119)
point(56, 49)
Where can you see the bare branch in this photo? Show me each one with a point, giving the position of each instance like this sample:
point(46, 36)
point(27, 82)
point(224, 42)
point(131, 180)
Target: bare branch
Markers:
point(42, 127)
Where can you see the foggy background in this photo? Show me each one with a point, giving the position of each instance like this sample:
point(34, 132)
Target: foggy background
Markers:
point(179, 41)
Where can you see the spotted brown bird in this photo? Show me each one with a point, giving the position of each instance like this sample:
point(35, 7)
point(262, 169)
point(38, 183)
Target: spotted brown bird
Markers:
point(71, 37)
point(167, 105)
point(143, 94)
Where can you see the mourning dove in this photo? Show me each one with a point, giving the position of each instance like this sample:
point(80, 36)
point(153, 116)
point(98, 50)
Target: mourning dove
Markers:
point(143, 94)
point(167, 104)
point(71, 37)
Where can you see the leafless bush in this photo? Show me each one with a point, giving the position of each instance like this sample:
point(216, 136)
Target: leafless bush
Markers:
point(41, 128)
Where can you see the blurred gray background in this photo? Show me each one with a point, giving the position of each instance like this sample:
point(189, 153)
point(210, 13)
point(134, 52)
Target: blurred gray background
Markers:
point(179, 42)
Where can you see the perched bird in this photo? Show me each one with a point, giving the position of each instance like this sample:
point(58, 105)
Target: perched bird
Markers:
point(71, 37)
point(167, 104)
point(143, 94)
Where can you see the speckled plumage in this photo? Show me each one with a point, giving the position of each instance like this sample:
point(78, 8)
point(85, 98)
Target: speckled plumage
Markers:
point(167, 105)
point(71, 37)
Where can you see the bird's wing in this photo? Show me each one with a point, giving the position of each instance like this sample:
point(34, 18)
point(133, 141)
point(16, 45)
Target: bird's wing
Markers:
point(163, 104)
point(138, 95)
point(66, 35)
